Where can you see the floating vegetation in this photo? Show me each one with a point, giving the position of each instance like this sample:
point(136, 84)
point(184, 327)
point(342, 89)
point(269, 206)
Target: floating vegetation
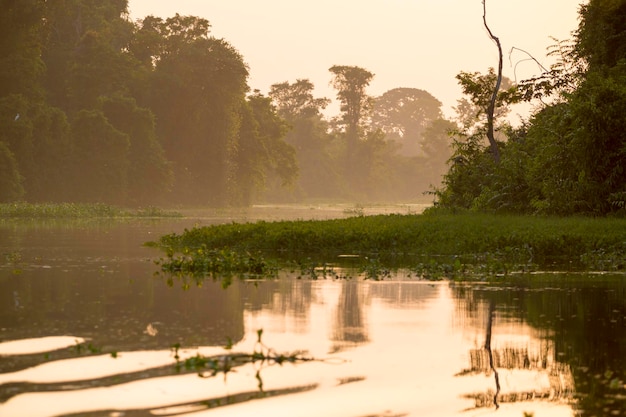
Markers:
point(78, 210)
point(220, 264)
point(432, 246)
point(210, 366)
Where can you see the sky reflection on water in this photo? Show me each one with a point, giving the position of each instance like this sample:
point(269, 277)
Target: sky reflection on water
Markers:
point(399, 347)
point(405, 359)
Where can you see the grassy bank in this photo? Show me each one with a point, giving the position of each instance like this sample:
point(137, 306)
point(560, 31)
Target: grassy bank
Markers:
point(430, 242)
point(76, 210)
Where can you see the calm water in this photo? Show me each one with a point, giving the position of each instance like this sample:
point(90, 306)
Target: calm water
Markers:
point(87, 328)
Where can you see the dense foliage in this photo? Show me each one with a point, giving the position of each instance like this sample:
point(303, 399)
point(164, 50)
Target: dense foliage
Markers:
point(97, 108)
point(455, 242)
point(570, 157)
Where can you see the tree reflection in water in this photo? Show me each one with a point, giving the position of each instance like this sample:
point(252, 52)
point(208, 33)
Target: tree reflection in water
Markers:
point(576, 325)
point(350, 324)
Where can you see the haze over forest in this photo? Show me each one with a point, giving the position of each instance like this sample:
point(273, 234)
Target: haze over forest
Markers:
point(101, 107)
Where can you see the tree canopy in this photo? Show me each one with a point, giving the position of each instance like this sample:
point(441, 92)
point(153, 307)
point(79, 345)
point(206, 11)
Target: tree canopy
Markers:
point(570, 156)
point(95, 107)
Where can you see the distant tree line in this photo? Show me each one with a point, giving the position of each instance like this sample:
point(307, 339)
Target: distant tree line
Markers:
point(97, 108)
point(570, 156)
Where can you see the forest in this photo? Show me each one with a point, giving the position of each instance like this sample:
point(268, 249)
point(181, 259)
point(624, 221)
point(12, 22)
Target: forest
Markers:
point(97, 108)
point(569, 157)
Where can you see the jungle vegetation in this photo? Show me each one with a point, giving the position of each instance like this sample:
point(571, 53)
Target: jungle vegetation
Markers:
point(97, 108)
point(434, 245)
point(570, 156)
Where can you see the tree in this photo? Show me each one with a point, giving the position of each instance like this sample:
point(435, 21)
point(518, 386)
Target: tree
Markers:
point(261, 150)
point(295, 101)
point(52, 155)
point(473, 110)
point(350, 83)
point(149, 173)
point(494, 92)
point(308, 134)
point(576, 147)
point(403, 114)
point(471, 175)
point(601, 34)
point(86, 51)
point(102, 163)
point(436, 147)
point(21, 66)
point(197, 87)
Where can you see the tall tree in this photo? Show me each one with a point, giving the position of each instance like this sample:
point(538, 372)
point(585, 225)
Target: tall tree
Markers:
point(473, 109)
point(198, 85)
point(35, 134)
point(403, 114)
point(351, 83)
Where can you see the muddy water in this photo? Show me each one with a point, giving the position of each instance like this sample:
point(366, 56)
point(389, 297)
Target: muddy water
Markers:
point(87, 328)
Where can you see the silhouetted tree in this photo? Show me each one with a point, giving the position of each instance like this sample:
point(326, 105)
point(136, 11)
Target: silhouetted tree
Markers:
point(403, 114)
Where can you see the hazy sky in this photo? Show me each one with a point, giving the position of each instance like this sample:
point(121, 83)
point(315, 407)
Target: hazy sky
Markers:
point(405, 43)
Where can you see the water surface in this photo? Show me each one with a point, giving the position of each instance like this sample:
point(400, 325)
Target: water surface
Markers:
point(87, 328)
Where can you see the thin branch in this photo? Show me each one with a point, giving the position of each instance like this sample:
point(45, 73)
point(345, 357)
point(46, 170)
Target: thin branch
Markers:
point(530, 58)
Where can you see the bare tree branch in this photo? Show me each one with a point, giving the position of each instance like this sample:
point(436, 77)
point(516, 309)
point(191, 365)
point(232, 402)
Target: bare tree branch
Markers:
point(530, 58)
point(494, 96)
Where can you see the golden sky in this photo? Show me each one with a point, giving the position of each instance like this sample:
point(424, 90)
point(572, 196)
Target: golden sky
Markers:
point(405, 43)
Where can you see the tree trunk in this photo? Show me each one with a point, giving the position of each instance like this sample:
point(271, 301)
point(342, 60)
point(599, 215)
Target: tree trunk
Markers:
point(494, 96)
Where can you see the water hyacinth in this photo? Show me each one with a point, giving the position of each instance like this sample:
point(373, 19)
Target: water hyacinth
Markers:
point(433, 244)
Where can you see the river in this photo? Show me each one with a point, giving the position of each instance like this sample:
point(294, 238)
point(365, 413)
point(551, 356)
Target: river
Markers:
point(88, 326)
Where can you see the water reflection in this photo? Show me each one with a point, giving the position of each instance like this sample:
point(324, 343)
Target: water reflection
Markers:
point(396, 347)
point(523, 368)
point(350, 326)
point(566, 329)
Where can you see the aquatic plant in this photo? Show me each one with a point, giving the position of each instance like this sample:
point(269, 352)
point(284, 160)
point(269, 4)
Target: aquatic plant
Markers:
point(77, 210)
point(220, 264)
point(432, 245)
point(210, 366)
